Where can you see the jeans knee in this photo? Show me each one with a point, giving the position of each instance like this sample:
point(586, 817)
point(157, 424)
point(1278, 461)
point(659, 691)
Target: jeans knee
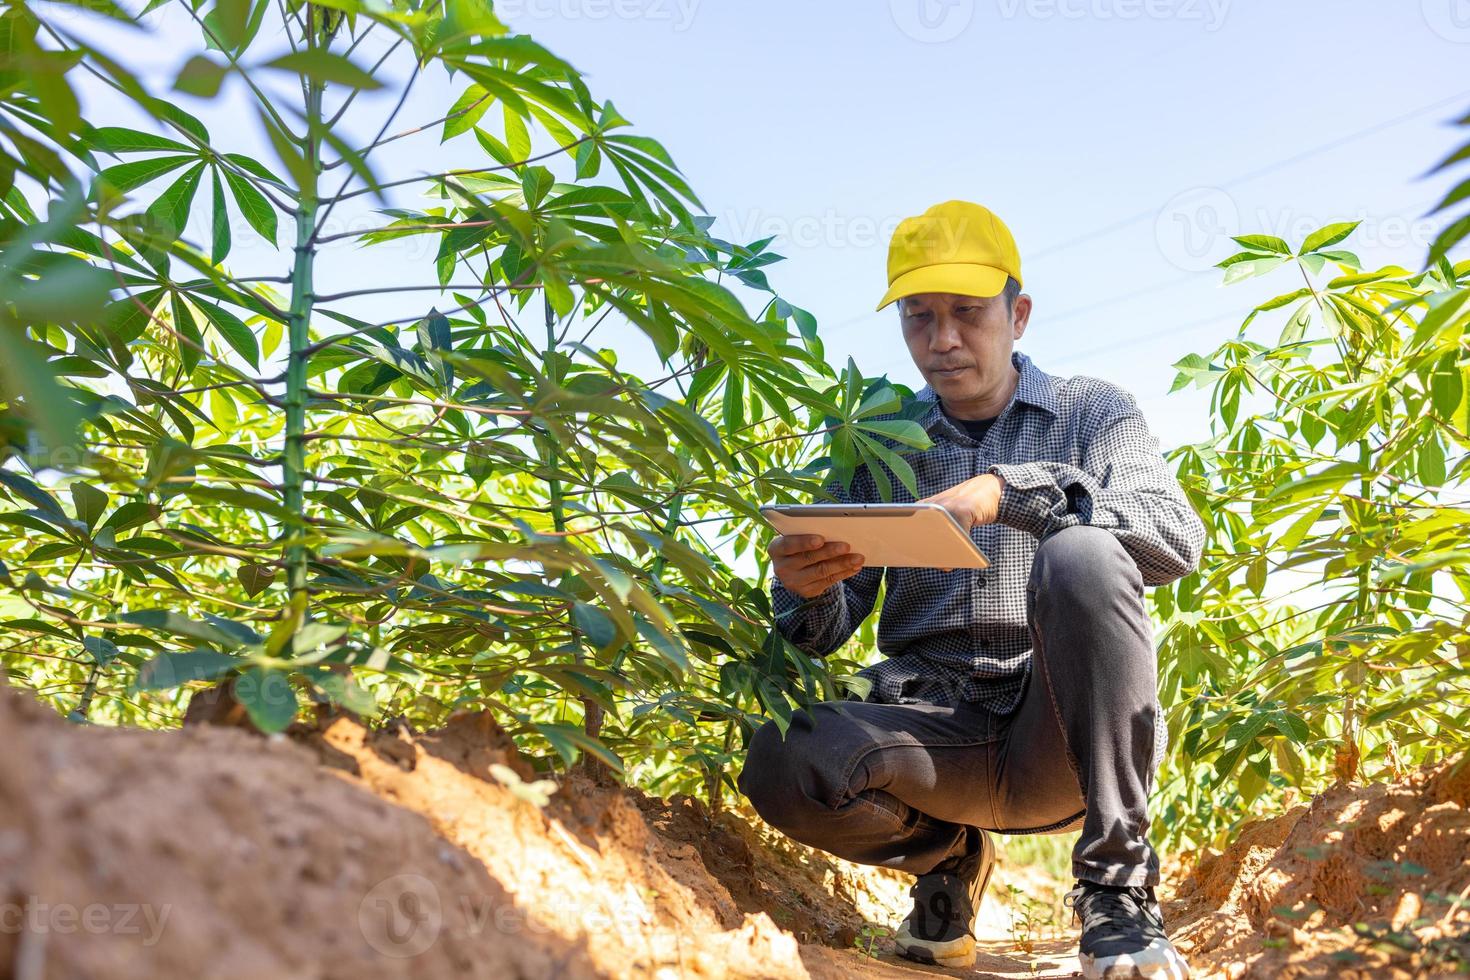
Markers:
point(1084, 565)
point(789, 779)
point(768, 778)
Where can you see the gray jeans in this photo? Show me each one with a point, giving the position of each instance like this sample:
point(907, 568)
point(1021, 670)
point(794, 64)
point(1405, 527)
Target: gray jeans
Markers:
point(896, 784)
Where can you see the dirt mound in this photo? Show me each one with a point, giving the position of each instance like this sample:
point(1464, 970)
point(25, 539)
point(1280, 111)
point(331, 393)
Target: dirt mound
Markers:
point(1366, 881)
point(214, 852)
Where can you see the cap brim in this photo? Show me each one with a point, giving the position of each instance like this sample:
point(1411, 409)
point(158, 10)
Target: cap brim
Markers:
point(961, 278)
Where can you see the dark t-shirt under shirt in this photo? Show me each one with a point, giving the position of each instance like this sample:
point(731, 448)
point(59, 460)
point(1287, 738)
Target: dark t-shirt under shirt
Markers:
point(974, 428)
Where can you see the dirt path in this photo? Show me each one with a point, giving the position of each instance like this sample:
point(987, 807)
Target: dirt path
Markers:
point(998, 960)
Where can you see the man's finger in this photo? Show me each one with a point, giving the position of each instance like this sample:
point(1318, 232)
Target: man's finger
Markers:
point(805, 559)
point(831, 570)
point(822, 585)
point(794, 544)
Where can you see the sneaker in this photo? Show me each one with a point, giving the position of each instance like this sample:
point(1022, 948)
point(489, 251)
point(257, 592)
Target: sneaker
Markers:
point(1123, 933)
point(941, 928)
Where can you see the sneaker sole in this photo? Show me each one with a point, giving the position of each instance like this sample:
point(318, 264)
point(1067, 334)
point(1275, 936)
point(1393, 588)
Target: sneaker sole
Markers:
point(1159, 960)
point(957, 954)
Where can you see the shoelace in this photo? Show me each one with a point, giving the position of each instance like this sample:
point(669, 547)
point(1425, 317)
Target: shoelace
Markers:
point(1099, 906)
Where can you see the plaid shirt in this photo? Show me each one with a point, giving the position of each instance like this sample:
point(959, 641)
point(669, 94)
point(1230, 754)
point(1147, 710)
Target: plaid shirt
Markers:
point(1072, 451)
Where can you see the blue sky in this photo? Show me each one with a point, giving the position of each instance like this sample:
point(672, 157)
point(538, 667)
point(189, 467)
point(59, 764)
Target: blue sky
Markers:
point(1121, 140)
point(1143, 133)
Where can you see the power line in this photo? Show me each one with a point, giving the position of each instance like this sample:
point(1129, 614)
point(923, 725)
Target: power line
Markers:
point(1254, 174)
point(1143, 338)
point(1125, 297)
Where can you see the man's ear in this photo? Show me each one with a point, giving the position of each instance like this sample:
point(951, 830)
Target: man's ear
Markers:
point(1020, 316)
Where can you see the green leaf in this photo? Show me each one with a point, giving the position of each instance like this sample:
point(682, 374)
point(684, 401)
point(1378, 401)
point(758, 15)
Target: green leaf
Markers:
point(594, 624)
point(253, 205)
point(128, 176)
point(221, 242)
point(233, 329)
point(26, 376)
point(201, 77)
point(103, 650)
point(117, 139)
point(1447, 388)
point(569, 742)
point(1299, 527)
point(324, 66)
point(345, 691)
point(517, 137)
point(168, 670)
point(466, 112)
point(89, 503)
point(168, 215)
point(1263, 243)
point(1251, 268)
point(226, 22)
point(29, 491)
point(1431, 466)
point(167, 621)
point(268, 697)
point(255, 578)
point(901, 431)
point(1328, 235)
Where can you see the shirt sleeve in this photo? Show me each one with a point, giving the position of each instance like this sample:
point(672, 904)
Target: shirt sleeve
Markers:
point(822, 624)
point(1123, 485)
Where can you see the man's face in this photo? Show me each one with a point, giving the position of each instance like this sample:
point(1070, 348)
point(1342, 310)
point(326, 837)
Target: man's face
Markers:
point(962, 344)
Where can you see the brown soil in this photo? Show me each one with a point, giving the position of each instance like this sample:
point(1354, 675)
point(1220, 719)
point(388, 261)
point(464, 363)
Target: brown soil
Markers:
point(1366, 881)
point(338, 852)
point(212, 852)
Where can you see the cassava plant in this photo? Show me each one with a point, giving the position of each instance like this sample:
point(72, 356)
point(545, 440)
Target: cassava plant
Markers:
point(1326, 635)
point(510, 463)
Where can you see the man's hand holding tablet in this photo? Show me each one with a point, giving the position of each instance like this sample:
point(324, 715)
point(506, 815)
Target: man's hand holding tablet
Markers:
point(809, 565)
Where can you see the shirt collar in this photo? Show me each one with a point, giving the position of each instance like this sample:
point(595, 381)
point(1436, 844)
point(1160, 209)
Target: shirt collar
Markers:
point(1033, 388)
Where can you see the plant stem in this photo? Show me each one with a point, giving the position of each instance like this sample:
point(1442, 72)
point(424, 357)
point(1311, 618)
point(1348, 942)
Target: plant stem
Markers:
point(299, 337)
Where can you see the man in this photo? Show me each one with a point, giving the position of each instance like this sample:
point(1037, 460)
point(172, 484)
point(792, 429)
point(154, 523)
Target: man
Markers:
point(1020, 698)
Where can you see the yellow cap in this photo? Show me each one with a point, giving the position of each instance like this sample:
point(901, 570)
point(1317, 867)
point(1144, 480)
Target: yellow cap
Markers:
point(954, 247)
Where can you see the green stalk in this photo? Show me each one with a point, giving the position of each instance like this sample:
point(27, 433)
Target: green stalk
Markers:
point(299, 338)
point(591, 710)
point(558, 516)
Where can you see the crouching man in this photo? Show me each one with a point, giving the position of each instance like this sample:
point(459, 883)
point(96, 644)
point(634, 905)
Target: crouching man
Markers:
point(1020, 698)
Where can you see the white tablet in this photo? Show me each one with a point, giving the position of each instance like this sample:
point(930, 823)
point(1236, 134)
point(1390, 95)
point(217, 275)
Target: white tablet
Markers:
point(899, 535)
